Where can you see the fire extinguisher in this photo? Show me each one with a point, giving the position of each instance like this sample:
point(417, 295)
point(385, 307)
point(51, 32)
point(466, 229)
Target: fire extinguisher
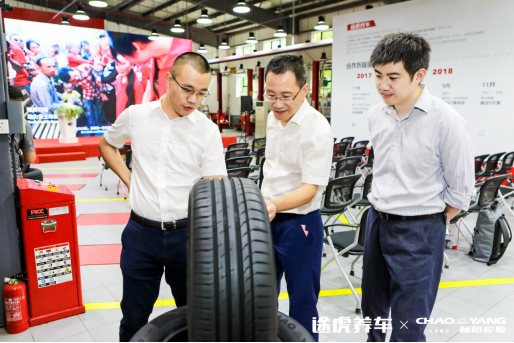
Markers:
point(16, 307)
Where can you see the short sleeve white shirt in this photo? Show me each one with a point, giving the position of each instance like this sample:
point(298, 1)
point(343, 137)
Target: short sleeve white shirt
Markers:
point(168, 157)
point(300, 152)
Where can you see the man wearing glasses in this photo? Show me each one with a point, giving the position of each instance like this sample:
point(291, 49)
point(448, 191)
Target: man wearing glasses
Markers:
point(173, 146)
point(299, 147)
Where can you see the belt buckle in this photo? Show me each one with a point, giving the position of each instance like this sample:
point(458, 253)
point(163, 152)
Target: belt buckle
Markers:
point(174, 225)
point(162, 226)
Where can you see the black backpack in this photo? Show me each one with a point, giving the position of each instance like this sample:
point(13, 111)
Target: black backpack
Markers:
point(501, 240)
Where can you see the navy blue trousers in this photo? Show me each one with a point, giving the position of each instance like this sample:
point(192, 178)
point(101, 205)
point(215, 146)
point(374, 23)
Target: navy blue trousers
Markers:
point(402, 269)
point(146, 253)
point(298, 244)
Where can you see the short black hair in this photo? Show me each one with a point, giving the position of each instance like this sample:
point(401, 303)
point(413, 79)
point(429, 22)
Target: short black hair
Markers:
point(192, 59)
point(123, 42)
point(409, 48)
point(30, 41)
point(84, 41)
point(281, 64)
point(64, 74)
point(42, 57)
point(15, 93)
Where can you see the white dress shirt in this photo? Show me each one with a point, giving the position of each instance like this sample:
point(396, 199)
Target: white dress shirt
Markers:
point(423, 161)
point(168, 157)
point(300, 152)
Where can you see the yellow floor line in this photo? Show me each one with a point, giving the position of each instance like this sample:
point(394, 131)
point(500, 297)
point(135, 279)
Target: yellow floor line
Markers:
point(69, 168)
point(324, 293)
point(115, 199)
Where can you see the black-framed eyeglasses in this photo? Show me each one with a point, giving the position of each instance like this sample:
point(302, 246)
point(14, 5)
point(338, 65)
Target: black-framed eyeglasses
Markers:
point(285, 100)
point(190, 92)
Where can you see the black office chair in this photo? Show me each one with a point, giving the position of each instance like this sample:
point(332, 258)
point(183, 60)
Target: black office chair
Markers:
point(356, 151)
point(260, 155)
point(347, 166)
point(479, 161)
point(488, 192)
point(239, 172)
point(238, 162)
point(257, 144)
point(361, 200)
point(340, 149)
point(236, 153)
point(261, 172)
point(491, 165)
point(507, 191)
point(367, 161)
point(128, 163)
point(360, 144)
point(339, 196)
point(237, 146)
point(348, 140)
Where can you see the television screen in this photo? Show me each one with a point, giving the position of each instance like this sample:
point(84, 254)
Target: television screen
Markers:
point(103, 72)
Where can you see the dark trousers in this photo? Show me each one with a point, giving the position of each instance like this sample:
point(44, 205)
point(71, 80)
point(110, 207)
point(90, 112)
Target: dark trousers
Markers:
point(402, 269)
point(298, 256)
point(93, 111)
point(146, 252)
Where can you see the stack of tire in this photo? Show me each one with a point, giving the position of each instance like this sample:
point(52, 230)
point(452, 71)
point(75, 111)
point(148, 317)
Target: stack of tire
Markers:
point(232, 290)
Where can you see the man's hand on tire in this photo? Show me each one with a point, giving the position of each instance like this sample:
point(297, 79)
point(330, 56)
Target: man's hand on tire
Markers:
point(271, 208)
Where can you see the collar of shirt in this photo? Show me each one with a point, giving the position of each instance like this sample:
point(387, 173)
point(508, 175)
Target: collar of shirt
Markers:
point(45, 78)
point(423, 103)
point(299, 117)
point(158, 104)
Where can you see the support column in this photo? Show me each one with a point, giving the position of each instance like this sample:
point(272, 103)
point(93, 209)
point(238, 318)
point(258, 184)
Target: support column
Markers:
point(220, 97)
point(260, 96)
point(315, 85)
point(250, 93)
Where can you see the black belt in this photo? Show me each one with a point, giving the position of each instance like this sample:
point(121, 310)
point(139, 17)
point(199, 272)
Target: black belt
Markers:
point(172, 225)
point(279, 217)
point(395, 217)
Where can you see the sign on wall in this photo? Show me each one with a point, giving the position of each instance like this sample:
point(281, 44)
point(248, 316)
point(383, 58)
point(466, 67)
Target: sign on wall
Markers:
point(472, 51)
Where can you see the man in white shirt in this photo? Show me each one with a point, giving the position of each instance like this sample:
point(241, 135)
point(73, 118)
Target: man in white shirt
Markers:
point(299, 147)
point(173, 146)
point(423, 175)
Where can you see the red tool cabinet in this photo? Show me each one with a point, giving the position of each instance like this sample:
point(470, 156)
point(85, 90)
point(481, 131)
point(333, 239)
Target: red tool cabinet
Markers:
point(50, 241)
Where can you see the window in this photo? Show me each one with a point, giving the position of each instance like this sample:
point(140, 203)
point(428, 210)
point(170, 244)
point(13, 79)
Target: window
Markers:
point(243, 86)
point(246, 49)
point(326, 84)
point(321, 35)
point(273, 44)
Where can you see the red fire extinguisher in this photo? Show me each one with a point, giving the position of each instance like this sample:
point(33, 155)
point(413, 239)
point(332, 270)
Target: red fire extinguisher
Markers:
point(16, 307)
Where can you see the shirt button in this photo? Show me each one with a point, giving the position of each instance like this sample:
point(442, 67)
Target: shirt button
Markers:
point(399, 124)
point(381, 201)
point(267, 186)
point(278, 150)
point(389, 183)
point(391, 164)
point(394, 144)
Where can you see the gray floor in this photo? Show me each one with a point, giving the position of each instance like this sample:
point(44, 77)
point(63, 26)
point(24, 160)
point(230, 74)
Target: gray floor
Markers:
point(103, 283)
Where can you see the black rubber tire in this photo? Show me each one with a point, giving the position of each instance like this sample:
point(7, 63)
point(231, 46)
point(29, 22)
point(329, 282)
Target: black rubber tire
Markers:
point(232, 291)
point(172, 327)
point(34, 174)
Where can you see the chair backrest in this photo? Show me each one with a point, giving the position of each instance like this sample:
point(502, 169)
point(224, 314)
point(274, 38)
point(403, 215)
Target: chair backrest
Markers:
point(507, 163)
point(348, 140)
point(371, 156)
point(347, 166)
point(489, 190)
point(366, 189)
point(356, 151)
point(492, 163)
point(128, 159)
point(239, 172)
point(360, 144)
point(335, 139)
point(238, 162)
point(237, 153)
point(339, 193)
point(362, 231)
point(258, 143)
point(260, 155)
point(237, 146)
point(479, 160)
point(261, 172)
point(340, 149)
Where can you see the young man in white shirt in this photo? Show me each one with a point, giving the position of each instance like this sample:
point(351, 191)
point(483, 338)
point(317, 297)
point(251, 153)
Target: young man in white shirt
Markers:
point(299, 147)
point(173, 146)
point(423, 175)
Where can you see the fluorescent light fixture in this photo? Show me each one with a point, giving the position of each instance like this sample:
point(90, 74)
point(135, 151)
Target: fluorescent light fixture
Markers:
point(154, 35)
point(322, 25)
point(65, 21)
point(251, 39)
point(204, 18)
point(80, 14)
point(224, 45)
point(177, 27)
point(280, 32)
point(202, 49)
point(241, 7)
point(97, 3)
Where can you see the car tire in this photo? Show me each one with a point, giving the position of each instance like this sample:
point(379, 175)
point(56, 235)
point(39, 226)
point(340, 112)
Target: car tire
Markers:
point(232, 291)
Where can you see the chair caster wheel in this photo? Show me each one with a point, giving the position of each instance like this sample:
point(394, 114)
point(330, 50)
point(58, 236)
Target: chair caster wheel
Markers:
point(357, 311)
point(105, 188)
point(446, 267)
point(331, 231)
point(470, 253)
point(352, 273)
point(124, 198)
point(324, 255)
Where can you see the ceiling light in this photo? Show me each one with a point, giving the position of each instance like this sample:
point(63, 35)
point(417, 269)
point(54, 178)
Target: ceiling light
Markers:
point(154, 35)
point(324, 56)
point(322, 25)
point(204, 18)
point(202, 49)
point(226, 68)
point(177, 27)
point(251, 39)
point(65, 21)
point(224, 45)
point(241, 67)
point(80, 14)
point(280, 32)
point(258, 64)
point(97, 3)
point(241, 7)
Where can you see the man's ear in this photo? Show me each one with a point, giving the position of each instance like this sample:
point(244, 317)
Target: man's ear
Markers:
point(420, 75)
point(306, 89)
point(136, 45)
